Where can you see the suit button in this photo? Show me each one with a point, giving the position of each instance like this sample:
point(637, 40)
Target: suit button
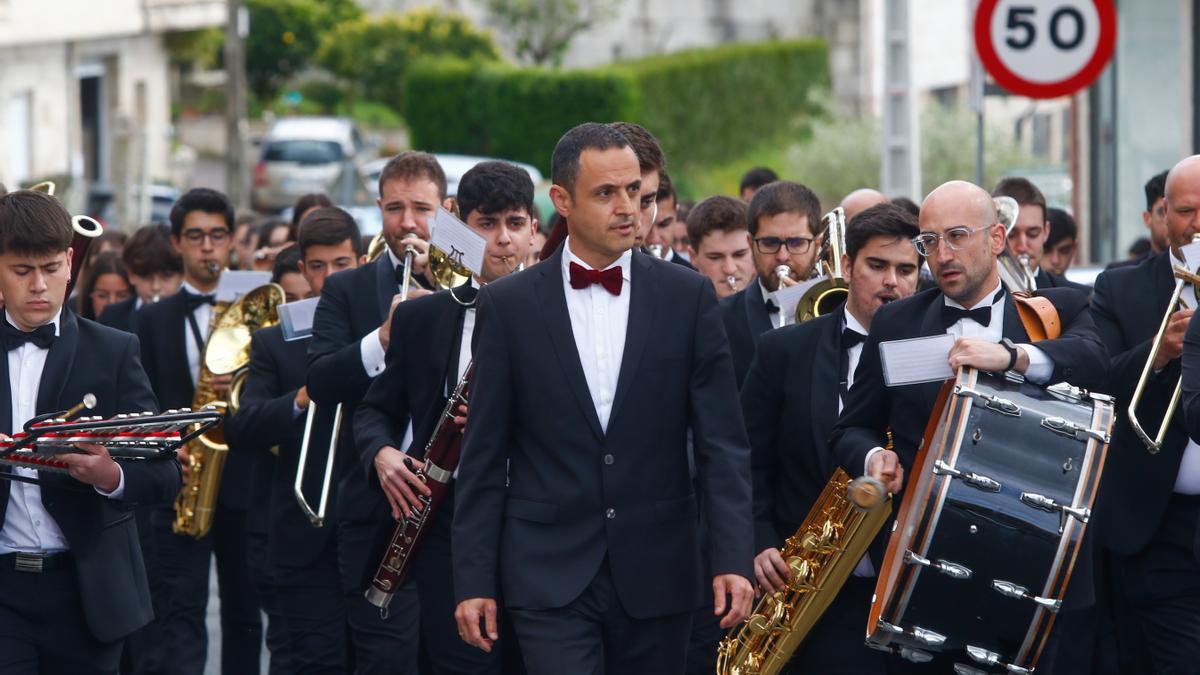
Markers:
point(608, 459)
point(610, 514)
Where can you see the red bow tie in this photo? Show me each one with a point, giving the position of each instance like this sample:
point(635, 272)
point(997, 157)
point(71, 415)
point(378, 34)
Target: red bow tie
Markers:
point(582, 277)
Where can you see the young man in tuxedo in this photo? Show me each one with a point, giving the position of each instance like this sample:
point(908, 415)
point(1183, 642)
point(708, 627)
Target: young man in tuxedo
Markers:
point(1028, 237)
point(720, 245)
point(790, 405)
point(663, 232)
point(652, 164)
point(351, 334)
point(575, 502)
point(155, 270)
point(1148, 508)
point(173, 333)
point(307, 608)
point(72, 581)
point(783, 220)
point(429, 353)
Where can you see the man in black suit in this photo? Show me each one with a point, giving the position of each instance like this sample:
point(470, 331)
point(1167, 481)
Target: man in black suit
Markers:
point(351, 334)
point(720, 244)
point(574, 500)
point(173, 333)
point(1148, 512)
point(789, 409)
point(308, 627)
point(155, 270)
point(1027, 240)
point(429, 353)
point(1155, 220)
point(652, 163)
point(72, 582)
point(661, 237)
point(783, 218)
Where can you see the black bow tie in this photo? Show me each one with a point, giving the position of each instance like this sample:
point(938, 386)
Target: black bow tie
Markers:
point(194, 300)
point(851, 338)
point(772, 308)
point(42, 336)
point(980, 315)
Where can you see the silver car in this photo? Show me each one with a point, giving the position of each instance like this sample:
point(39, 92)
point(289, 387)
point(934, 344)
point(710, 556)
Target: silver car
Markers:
point(300, 155)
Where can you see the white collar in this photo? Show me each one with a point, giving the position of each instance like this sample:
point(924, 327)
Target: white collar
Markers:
point(185, 286)
point(768, 296)
point(570, 257)
point(990, 299)
point(852, 323)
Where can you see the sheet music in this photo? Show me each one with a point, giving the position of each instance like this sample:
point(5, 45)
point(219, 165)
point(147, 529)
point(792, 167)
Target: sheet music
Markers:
point(789, 297)
point(916, 360)
point(1191, 255)
point(296, 318)
point(458, 241)
point(236, 283)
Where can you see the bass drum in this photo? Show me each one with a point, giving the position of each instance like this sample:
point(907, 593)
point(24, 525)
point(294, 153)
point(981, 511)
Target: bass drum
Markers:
point(988, 534)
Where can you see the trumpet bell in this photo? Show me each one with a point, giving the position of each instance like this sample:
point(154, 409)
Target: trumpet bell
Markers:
point(228, 348)
point(377, 247)
point(824, 297)
point(447, 273)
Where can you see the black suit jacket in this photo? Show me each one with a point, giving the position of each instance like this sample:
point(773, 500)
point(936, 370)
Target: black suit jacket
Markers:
point(1128, 305)
point(121, 315)
point(573, 494)
point(790, 403)
point(1046, 280)
point(680, 260)
point(102, 534)
point(161, 329)
point(745, 316)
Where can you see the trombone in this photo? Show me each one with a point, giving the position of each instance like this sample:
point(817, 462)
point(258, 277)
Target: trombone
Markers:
point(782, 272)
point(1014, 270)
point(824, 296)
point(1183, 278)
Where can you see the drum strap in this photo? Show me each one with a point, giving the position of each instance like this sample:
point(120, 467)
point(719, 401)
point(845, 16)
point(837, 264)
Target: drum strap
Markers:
point(1039, 316)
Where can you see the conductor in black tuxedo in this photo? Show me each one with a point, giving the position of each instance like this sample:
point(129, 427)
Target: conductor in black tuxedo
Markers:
point(574, 500)
point(429, 354)
point(783, 218)
point(173, 333)
point(155, 270)
point(72, 582)
point(351, 334)
point(1027, 240)
point(791, 399)
point(1149, 504)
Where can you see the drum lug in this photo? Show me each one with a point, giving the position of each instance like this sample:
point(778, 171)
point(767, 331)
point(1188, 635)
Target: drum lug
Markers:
point(950, 569)
point(1068, 428)
point(975, 480)
point(991, 402)
point(1044, 503)
point(987, 657)
point(915, 655)
point(923, 635)
point(1016, 591)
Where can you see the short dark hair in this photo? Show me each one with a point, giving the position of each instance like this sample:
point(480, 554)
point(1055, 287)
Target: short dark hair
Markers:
point(268, 225)
point(564, 163)
point(1156, 189)
point(666, 189)
point(305, 203)
point(149, 252)
point(784, 197)
point(756, 178)
point(204, 200)
point(1140, 247)
point(329, 226)
point(286, 262)
point(412, 164)
point(1062, 227)
point(108, 262)
point(1023, 190)
point(908, 205)
point(495, 186)
point(645, 146)
point(884, 219)
point(719, 213)
point(34, 223)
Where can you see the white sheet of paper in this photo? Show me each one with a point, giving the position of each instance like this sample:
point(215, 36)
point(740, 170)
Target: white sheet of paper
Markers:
point(916, 360)
point(236, 283)
point(296, 318)
point(458, 241)
point(1191, 255)
point(788, 297)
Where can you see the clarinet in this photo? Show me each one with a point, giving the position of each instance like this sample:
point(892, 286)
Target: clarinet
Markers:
point(441, 459)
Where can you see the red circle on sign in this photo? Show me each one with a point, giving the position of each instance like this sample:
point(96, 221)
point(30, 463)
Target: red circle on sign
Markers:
point(1019, 85)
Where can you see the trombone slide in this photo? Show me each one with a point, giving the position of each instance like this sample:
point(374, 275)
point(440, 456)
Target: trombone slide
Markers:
point(317, 518)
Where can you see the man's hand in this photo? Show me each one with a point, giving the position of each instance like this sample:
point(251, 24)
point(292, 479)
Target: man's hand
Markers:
point(460, 416)
point(787, 281)
point(220, 384)
point(985, 355)
point(1172, 342)
point(420, 261)
point(885, 466)
point(93, 466)
point(741, 595)
point(468, 616)
point(399, 482)
point(771, 571)
point(301, 401)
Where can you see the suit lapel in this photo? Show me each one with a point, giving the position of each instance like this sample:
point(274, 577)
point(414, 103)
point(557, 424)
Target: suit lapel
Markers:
point(558, 323)
point(637, 329)
point(58, 364)
point(823, 392)
point(447, 332)
point(931, 324)
point(1164, 281)
point(176, 336)
point(756, 310)
point(385, 284)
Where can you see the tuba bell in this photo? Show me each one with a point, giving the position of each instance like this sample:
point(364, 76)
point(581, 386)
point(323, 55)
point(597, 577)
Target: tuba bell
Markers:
point(1014, 270)
point(827, 294)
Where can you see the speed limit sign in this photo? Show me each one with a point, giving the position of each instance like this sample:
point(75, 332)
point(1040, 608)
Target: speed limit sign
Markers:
point(1045, 48)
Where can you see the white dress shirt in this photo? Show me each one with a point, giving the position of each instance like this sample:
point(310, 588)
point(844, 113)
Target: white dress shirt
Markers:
point(203, 314)
point(855, 353)
point(370, 348)
point(1187, 481)
point(598, 321)
point(769, 298)
point(28, 526)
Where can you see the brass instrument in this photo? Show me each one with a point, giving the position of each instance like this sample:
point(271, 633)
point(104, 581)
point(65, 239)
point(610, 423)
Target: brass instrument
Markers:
point(226, 352)
point(1183, 278)
point(820, 556)
point(47, 186)
point(657, 250)
point(732, 281)
point(826, 295)
point(782, 272)
point(377, 247)
point(1014, 270)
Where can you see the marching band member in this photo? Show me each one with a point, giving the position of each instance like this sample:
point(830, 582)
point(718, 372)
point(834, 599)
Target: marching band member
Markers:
point(1027, 239)
point(72, 581)
point(663, 232)
point(790, 406)
point(591, 534)
point(173, 333)
point(429, 353)
point(860, 200)
point(719, 244)
point(782, 219)
point(155, 270)
point(351, 334)
point(753, 180)
point(652, 163)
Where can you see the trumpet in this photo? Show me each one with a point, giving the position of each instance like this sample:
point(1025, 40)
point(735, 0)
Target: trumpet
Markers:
point(1183, 278)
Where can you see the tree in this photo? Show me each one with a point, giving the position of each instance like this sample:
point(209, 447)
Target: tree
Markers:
point(284, 35)
point(544, 29)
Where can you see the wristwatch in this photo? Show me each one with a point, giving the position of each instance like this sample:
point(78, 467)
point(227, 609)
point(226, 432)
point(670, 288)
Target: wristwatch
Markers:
point(1012, 353)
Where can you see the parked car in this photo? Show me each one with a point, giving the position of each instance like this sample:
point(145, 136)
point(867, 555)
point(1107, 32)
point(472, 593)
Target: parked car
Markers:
point(300, 155)
point(454, 166)
point(349, 192)
point(101, 205)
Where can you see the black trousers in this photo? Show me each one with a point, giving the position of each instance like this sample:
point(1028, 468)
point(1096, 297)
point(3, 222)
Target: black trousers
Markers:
point(42, 629)
point(378, 645)
point(180, 606)
point(142, 654)
point(835, 645)
point(594, 635)
point(309, 633)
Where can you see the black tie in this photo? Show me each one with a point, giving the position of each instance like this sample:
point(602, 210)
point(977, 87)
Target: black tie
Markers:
point(194, 300)
point(772, 308)
point(850, 339)
point(42, 336)
point(980, 315)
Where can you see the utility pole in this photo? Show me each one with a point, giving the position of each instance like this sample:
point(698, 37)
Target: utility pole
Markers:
point(901, 137)
point(237, 178)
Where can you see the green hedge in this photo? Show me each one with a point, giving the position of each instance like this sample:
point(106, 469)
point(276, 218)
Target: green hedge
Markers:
point(705, 105)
